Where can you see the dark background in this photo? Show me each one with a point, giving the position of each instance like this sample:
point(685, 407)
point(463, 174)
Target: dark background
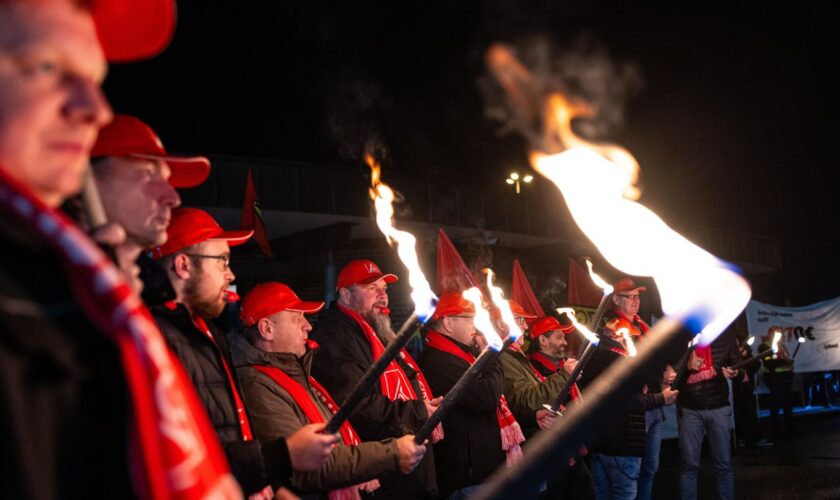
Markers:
point(732, 121)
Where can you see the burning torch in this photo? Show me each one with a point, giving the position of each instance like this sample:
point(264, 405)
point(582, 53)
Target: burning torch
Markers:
point(774, 348)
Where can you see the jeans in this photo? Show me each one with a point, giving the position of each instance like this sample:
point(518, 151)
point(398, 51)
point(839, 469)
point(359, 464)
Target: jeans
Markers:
point(615, 477)
point(650, 462)
point(714, 424)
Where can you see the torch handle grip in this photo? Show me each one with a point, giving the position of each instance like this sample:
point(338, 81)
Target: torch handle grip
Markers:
point(754, 358)
point(567, 387)
point(365, 384)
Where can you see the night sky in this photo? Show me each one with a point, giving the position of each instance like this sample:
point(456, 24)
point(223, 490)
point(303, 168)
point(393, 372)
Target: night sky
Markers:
point(731, 117)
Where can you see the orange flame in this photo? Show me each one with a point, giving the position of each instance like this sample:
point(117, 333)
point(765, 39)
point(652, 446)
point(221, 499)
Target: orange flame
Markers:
point(499, 301)
point(570, 313)
point(482, 320)
point(599, 281)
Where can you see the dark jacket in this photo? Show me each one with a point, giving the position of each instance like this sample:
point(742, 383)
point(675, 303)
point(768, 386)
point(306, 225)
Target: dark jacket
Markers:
point(524, 392)
point(472, 448)
point(626, 434)
point(275, 414)
point(713, 393)
point(343, 358)
point(254, 464)
point(63, 395)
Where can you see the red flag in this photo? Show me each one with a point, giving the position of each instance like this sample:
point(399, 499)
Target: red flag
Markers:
point(522, 292)
point(452, 274)
point(581, 291)
point(252, 218)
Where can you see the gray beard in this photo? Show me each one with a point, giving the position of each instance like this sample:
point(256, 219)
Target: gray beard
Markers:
point(381, 324)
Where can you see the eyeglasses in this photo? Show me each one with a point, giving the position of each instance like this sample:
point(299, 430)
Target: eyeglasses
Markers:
point(224, 258)
point(634, 296)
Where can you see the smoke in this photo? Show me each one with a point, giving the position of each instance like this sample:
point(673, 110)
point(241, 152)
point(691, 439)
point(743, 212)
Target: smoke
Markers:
point(584, 71)
point(353, 119)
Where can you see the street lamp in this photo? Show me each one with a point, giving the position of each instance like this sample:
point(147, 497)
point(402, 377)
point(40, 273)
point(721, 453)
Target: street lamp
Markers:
point(514, 180)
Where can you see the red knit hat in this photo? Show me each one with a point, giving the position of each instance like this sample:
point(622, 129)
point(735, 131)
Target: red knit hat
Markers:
point(271, 298)
point(190, 226)
point(452, 304)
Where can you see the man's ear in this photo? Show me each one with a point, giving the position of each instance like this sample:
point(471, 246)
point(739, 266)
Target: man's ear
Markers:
point(182, 266)
point(615, 298)
point(266, 329)
point(344, 295)
point(542, 340)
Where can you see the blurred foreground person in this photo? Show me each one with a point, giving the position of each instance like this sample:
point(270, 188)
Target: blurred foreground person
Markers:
point(273, 358)
point(93, 405)
point(196, 257)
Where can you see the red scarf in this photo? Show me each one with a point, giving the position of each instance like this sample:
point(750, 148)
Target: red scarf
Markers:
point(313, 414)
point(393, 381)
point(707, 370)
point(508, 426)
point(173, 448)
point(549, 364)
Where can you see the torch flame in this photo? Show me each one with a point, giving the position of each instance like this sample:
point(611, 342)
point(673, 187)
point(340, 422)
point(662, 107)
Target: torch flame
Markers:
point(776, 338)
point(482, 320)
point(598, 182)
point(570, 313)
point(801, 340)
point(383, 198)
point(750, 341)
point(599, 281)
point(499, 301)
point(628, 341)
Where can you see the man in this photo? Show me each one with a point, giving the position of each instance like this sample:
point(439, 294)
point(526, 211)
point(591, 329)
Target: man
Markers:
point(481, 433)
point(273, 360)
point(93, 404)
point(618, 453)
point(778, 377)
point(137, 180)
point(196, 257)
point(705, 412)
point(352, 334)
point(526, 389)
point(547, 349)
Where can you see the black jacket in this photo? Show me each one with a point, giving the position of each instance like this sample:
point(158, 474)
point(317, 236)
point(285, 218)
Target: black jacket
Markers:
point(342, 360)
point(472, 448)
point(63, 395)
point(254, 464)
point(713, 393)
point(626, 435)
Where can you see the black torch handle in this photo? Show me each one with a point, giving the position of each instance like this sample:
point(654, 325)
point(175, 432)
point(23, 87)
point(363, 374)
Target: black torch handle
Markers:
point(365, 384)
point(748, 361)
point(567, 387)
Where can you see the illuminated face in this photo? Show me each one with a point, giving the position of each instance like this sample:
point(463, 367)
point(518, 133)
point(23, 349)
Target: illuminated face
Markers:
point(51, 104)
point(460, 328)
point(206, 288)
point(290, 331)
point(368, 300)
point(628, 303)
point(553, 343)
point(137, 196)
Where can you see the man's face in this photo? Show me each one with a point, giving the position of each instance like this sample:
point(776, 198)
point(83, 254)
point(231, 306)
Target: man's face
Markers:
point(369, 300)
point(205, 289)
point(553, 343)
point(51, 104)
point(461, 328)
point(291, 329)
point(628, 303)
point(137, 196)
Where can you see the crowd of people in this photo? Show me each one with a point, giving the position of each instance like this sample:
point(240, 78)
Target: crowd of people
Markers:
point(118, 382)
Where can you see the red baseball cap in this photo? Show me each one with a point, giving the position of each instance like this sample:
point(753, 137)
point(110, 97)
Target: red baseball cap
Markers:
point(627, 285)
point(128, 136)
point(547, 324)
point(273, 297)
point(518, 310)
point(190, 226)
point(361, 272)
point(131, 30)
point(452, 304)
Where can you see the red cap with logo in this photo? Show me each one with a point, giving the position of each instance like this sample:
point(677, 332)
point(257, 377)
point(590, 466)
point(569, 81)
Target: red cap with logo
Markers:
point(131, 30)
point(627, 285)
point(271, 298)
point(190, 226)
point(361, 272)
point(128, 136)
point(518, 310)
point(453, 304)
point(548, 324)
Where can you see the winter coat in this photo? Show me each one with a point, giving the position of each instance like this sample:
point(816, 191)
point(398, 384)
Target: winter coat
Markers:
point(64, 399)
point(713, 393)
point(254, 464)
point(472, 448)
point(275, 414)
point(343, 358)
point(524, 392)
point(626, 434)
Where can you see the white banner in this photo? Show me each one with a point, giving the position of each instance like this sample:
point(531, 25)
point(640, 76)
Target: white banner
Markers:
point(818, 324)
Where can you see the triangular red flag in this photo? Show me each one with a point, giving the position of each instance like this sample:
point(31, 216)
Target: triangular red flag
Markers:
point(452, 274)
point(581, 291)
point(522, 292)
point(251, 217)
